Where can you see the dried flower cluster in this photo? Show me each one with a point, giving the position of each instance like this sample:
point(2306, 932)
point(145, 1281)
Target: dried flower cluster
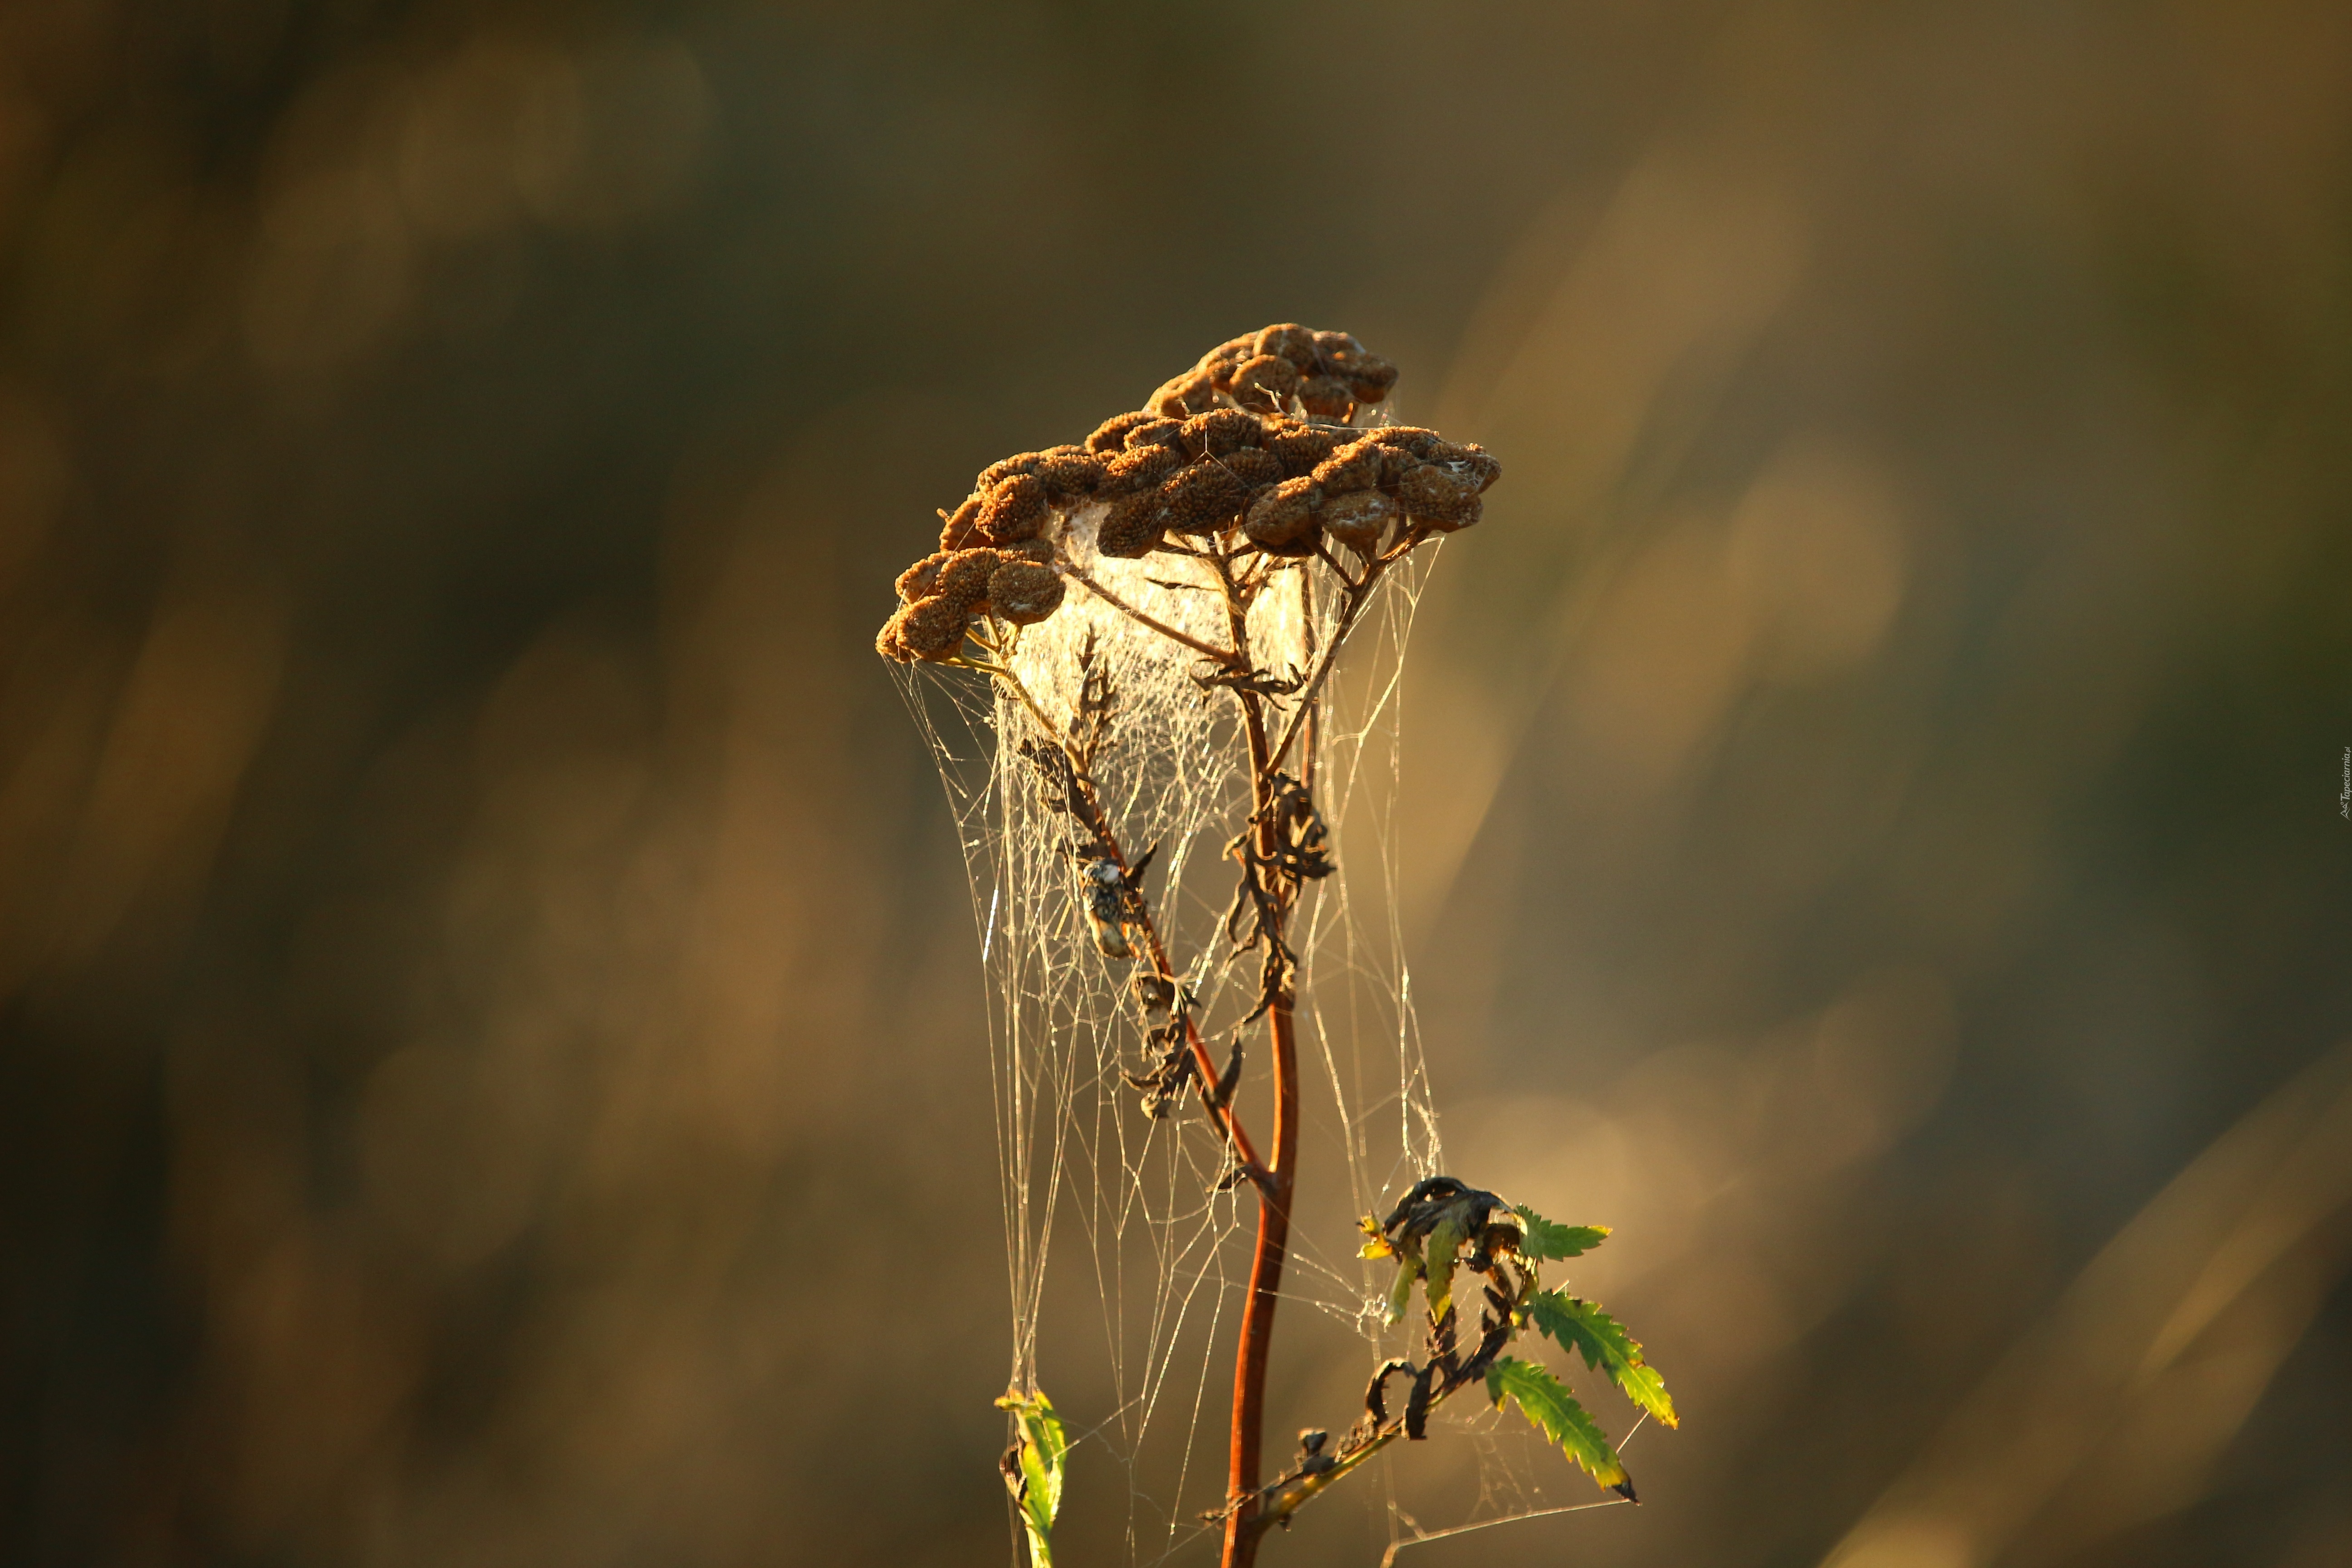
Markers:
point(1259, 437)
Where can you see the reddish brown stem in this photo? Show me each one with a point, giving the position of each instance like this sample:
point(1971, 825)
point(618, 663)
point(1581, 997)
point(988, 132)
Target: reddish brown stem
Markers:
point(1219, 655)
point(1227, 1122)
point(1357, 594)
point(1243, 1525)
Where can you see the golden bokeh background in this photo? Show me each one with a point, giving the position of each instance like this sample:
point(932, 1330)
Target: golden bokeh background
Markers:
point(491, 1057)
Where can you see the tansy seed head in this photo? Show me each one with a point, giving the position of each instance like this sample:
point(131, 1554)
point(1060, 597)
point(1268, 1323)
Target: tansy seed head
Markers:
point(1301, 447)
point(1068, 475)
point(1372, 377)
point(1290, 339)
point(1024, 592)
point(1433, 496)
point(1156, 432)
point(1131, 529)
point(1219, 446)
point(1004, 468)
point(1110, 436)
point(961, 529)
point(1283, 515)
point(1254, 467)
point(1359, 521)
point(1354, 467)
point(1200, 498)
point(1266, 382)
point(1327, 396)
point(1139, 469)
point(1219, 431)
point(920, 580)
point(1014, 510)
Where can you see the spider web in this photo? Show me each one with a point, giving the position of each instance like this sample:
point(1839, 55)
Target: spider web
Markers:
point(1162, 1225)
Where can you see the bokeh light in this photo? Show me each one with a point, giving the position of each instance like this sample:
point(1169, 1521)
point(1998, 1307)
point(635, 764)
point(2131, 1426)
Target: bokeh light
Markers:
point(489, 1014)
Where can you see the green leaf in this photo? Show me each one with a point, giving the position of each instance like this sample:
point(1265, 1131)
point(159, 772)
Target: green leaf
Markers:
point(1045, 1447)
point(1437, 1262)
point(1400, 1293)
point(1582, 1326)
point(1544, 1401)
point(1547, 1242)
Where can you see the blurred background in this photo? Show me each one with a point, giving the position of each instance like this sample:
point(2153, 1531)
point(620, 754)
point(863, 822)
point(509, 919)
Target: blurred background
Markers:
point(484, 960)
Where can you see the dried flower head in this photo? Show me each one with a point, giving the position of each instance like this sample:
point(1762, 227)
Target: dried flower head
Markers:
point(1266, 443)
point(1359, 520)
point(1284, 515)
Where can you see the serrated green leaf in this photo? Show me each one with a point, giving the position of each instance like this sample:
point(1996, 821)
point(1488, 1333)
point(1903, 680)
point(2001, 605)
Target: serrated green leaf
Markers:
point(1582, 1326)
point(1437, 1263)
point(1045, 1448)
point(1546, 1242)
point(1546, 1403)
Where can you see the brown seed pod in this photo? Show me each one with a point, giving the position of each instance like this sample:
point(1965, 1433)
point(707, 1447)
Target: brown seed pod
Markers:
point(1359, 520)
point(921, 580)
point(1467, 513)
point(1266, 382)
point(1110, 436)
point(1336, 349)
point(1200, 392)
point(1301, 447)
point(1191, 464)
point(1470, 462)
point(1220, 363)
point(1068, 475)
point(1156, 432)
point(1433, 496)
point(1290, 339)
point(1372, 378)
point(1254, 467)
point(1005, 468)
point(1327, 396)
point(1354, 467)
point(1200, 499)
point(1403, 448)
point(1131, 529)
point(963, 577)
point(1014, 510)
point(1137, 471)
point(959, 529)
point(932, 629)
point(1024, 592)
point(1219, 431)
point(1283, 515)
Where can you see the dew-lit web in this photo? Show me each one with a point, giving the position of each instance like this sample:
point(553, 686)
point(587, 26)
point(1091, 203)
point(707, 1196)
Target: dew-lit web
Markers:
point(1132, 1234)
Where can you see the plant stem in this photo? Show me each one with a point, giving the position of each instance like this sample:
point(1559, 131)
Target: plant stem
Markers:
point(1222, 656)
point(1243, 1525)
point(1351, 604)
point(1227, 1122)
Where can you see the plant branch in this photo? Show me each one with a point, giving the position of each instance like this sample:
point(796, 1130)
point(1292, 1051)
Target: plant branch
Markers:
point(1243, 1526)
point(1078, 574)
point(1352, 603)
point(1224, 1117)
